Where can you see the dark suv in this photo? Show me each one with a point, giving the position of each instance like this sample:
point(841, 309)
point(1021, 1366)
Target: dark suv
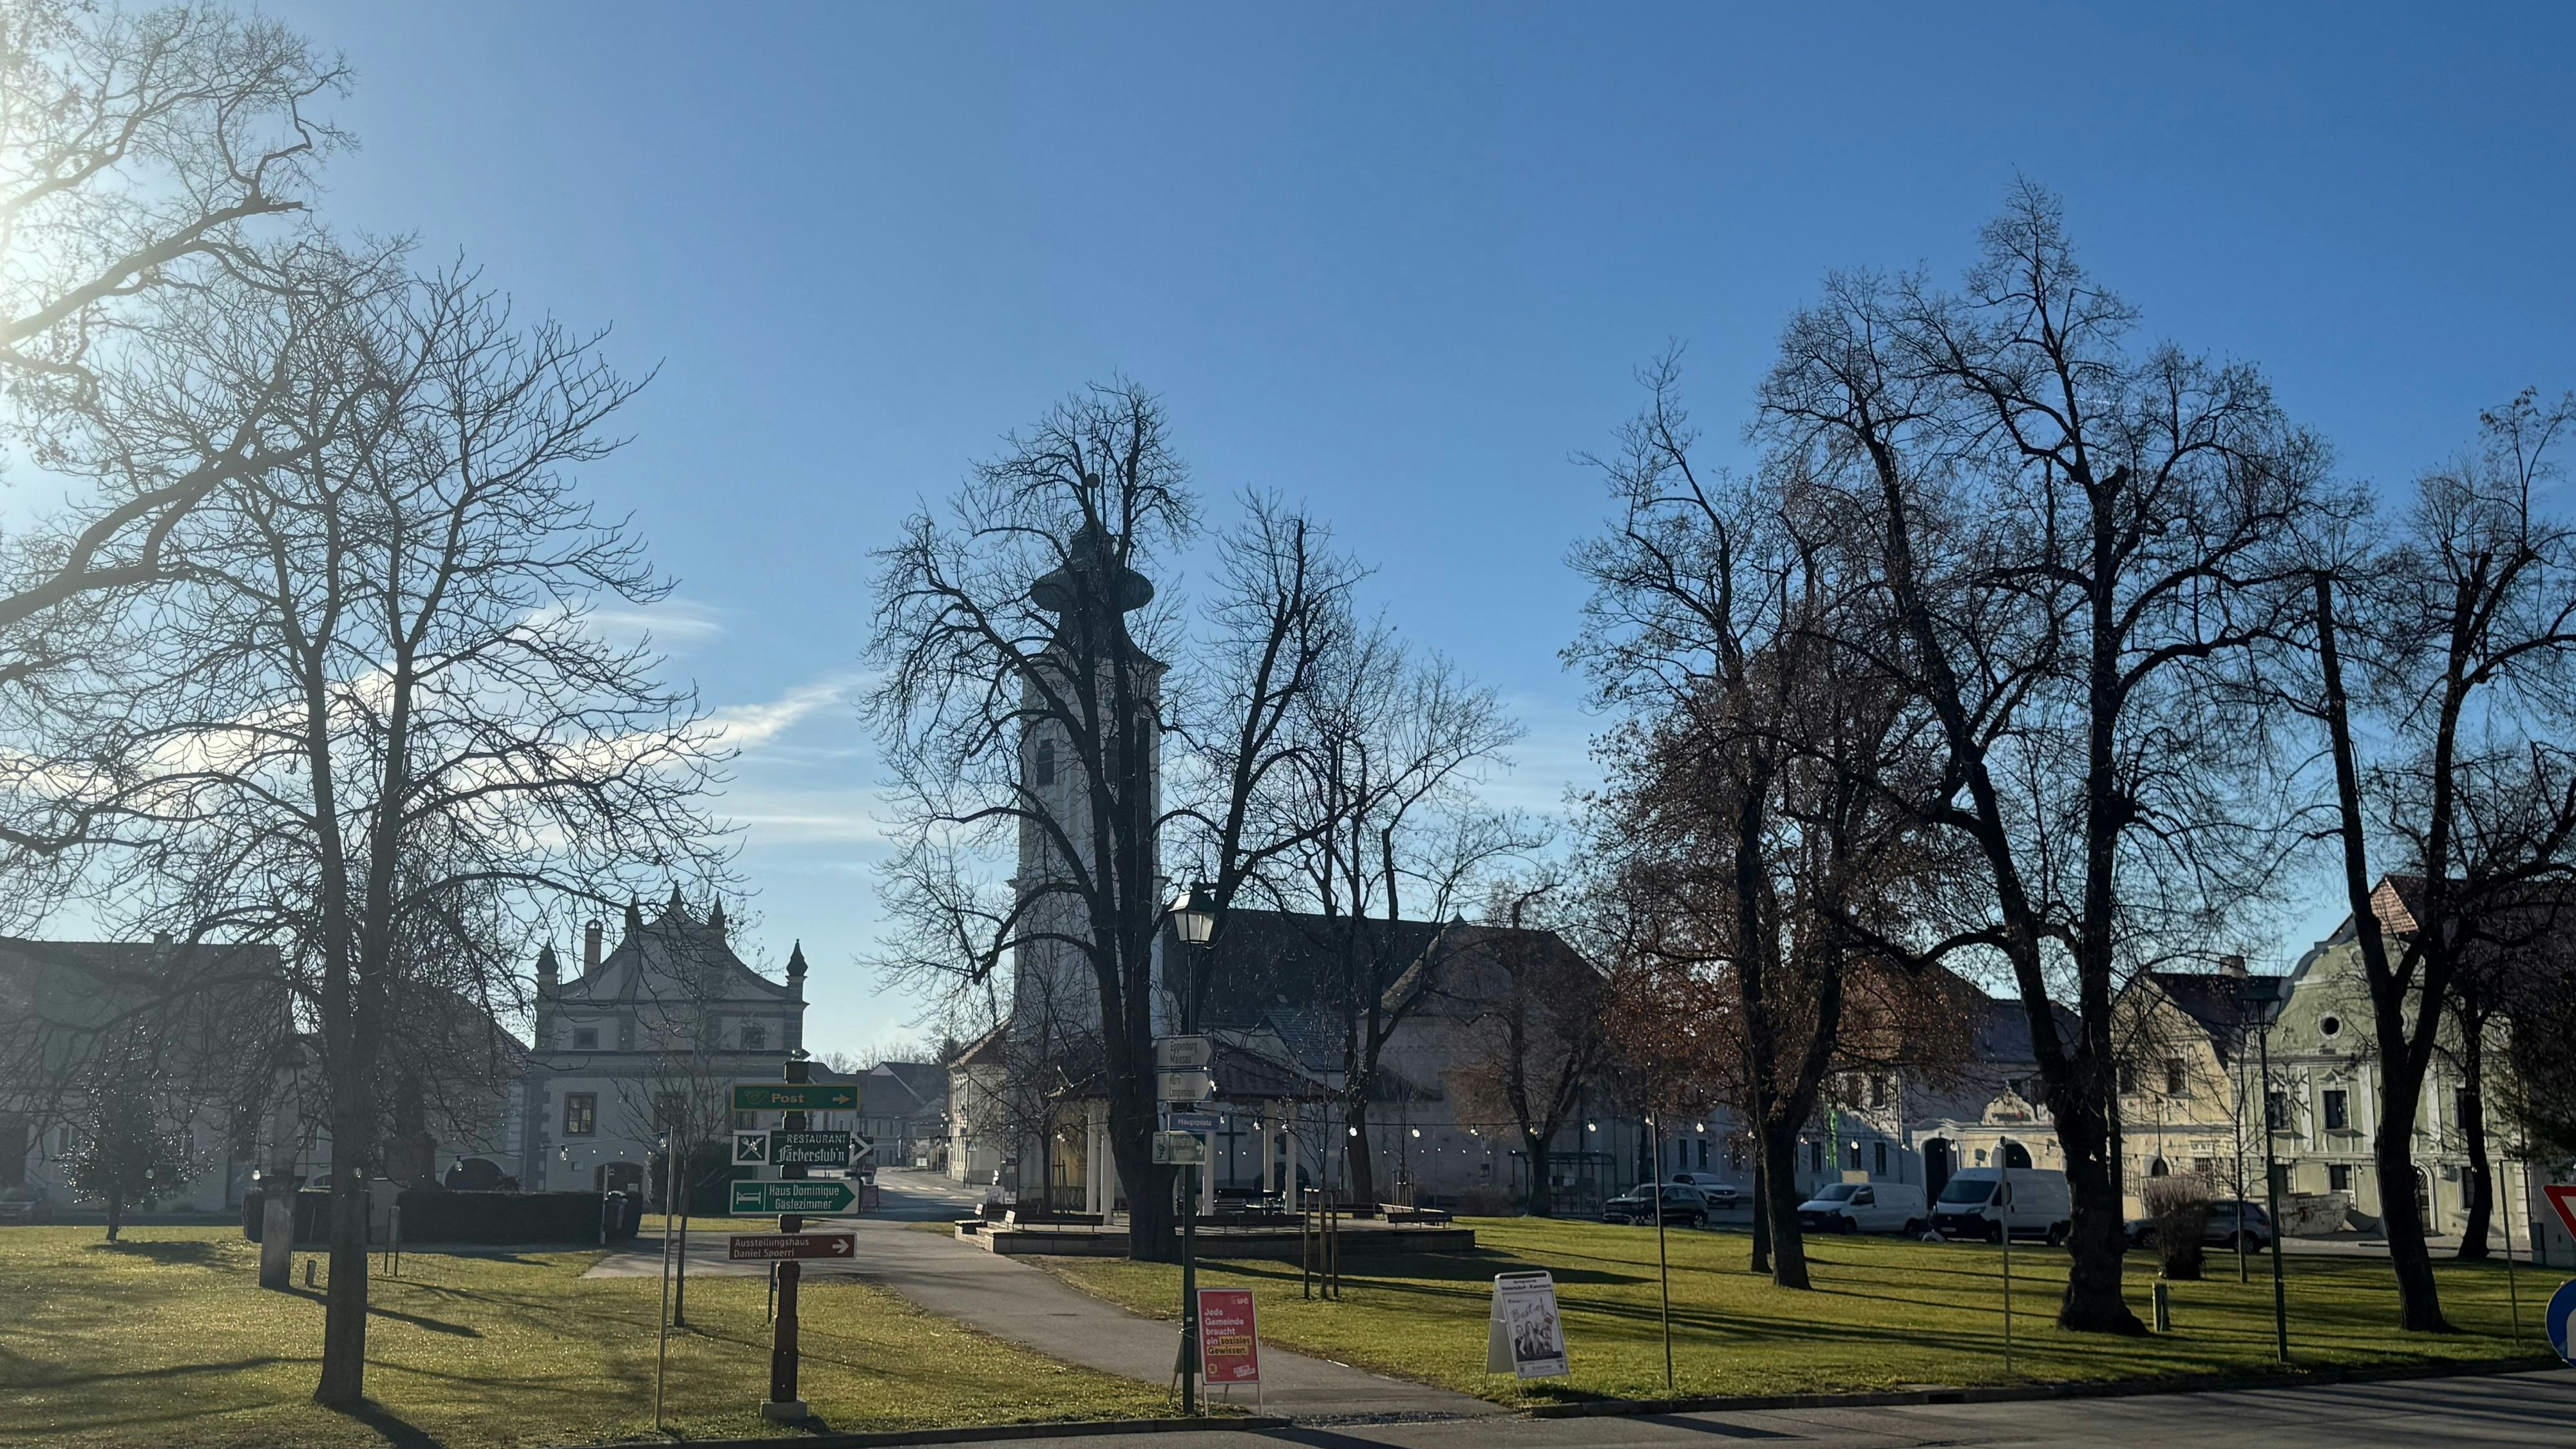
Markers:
point(1684, 1207)
point(2228, 1219)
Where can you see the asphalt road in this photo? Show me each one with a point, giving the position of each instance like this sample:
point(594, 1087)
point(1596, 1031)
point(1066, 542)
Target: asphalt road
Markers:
point(2533, 1409)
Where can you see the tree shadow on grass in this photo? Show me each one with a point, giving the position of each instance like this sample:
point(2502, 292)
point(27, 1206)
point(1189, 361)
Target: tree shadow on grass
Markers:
point(378, 1310)
point(164, 1252)
point(388, 1426)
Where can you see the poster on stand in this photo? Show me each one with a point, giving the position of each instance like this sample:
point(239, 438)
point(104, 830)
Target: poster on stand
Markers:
point(1523, 1335)
point(1229, 1339)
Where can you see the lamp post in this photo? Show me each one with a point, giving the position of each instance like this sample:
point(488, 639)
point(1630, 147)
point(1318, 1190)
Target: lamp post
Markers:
point(1194, 917)
point(2266, 995)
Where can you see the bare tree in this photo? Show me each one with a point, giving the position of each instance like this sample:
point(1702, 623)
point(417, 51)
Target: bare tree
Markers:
point(2073, 538)
point(1389, 831)
point(1020, 708)
point(374, 698)
point(1765, 790)
point(139, 154)
point(2449, 653)
point(1534, 1040)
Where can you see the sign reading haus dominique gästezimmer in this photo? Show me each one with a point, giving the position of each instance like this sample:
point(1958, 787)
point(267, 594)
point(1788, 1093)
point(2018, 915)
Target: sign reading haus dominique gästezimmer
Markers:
point(813, 1195)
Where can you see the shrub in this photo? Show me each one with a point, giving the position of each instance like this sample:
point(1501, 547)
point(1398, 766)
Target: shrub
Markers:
point(2179, 1209)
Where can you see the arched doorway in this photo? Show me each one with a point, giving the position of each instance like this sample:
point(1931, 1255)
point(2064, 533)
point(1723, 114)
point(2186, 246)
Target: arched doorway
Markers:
point(2016, 1155)
point(1937, 1166)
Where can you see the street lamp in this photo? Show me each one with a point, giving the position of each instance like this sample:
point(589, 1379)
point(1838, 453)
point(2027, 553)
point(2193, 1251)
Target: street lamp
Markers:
point(1193, 914)
point(2267, 995)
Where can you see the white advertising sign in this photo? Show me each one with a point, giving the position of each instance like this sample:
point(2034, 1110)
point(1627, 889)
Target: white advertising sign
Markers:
point(1523, 1335)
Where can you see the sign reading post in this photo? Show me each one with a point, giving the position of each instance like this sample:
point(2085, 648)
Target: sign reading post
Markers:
point(1523, 1335)
point(1229, 1340)
point(796, 1096)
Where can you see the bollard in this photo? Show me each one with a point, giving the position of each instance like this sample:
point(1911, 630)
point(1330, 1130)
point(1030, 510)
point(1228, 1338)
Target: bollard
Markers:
point(2164, 1306)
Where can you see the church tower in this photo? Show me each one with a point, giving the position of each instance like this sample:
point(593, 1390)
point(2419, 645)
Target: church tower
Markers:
point(1054, 994)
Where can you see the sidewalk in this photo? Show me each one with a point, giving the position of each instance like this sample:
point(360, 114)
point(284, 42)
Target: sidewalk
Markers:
point(1031, 1306)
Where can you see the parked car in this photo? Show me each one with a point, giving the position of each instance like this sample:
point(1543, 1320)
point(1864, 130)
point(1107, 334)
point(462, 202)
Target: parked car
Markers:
point(1684, 1207)
point(2040, 1208)
point(2228, 1220)
point(1864, 1207)
point(1720, 1195)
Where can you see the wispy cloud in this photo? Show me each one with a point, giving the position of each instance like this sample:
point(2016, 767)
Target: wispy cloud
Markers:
point(746, 727)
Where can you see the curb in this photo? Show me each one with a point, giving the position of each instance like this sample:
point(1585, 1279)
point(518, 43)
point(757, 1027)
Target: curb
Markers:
point(2077, 1389)
point(977, 1434)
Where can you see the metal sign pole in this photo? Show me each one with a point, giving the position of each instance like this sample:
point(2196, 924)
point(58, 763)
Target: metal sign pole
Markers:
point(2003, 1224)
point(2272, 1195)
point(662, 1352)
point(1663, 1263)
point(785, 1404)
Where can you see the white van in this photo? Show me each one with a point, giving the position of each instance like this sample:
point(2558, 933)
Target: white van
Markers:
point(2040, 1208)
point(1864, 1207)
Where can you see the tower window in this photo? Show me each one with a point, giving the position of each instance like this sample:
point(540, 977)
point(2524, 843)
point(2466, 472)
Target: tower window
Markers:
point(581, 1113)
point(755, 1037)
point(1043, 772)
point(585, 1038)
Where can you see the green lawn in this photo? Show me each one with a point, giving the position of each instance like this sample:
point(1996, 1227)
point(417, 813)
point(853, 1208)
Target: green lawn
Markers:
point(166, 1339)
point(1884, 1313)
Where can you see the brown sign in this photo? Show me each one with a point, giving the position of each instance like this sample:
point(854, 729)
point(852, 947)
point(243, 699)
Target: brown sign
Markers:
point(779, 1247)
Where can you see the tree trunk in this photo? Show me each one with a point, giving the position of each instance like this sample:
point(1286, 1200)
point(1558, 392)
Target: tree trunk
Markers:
point(1362, 1178)
point(1542, 1196)
point(2099, 1235)
point(344, 1310)
point(2419, 1300)
point(115, 1215)
point(1779, 1181)
point(2477, 1186)
point(1152, 1226)
point(1761, 1214)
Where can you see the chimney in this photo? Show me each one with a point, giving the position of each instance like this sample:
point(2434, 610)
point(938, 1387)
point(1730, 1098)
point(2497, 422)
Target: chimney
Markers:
point(161, 938)
point(590, 948)
point(549, 972)
point(2232, 967)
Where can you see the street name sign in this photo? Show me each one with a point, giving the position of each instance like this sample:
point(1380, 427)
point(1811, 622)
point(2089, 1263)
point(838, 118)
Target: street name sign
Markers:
point(1180, 1149)
point(751, 1149)
point(814, 1195)
point(782, 1247)
point(1179, 1053)
point(796, 1096)
point(1176, 1121)
point(809, 1149)
point(1185, 1086)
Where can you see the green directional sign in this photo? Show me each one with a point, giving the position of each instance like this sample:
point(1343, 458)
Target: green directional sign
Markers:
point(817, 1195)
point(796, 1096)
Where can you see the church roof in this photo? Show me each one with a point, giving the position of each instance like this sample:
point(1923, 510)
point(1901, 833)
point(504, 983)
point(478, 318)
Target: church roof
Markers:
point(673, 957)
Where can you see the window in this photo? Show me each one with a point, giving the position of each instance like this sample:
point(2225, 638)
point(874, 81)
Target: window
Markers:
point(1815, 1157)
point(2276, 1111)
point(1703, 1152)
point(2177, 1078)
point(2338, 1178)
point(581, 1113)
point(1878, 1091)
point(1735, 1154)
point(2128, 1079)
point(1864, 1198)
point(1044, 769)
point(2338, 1110)
point(755, 1037)
point(585, 1038)
point(2464, 1108)
point(1878, 1158)
point(2329, 1025)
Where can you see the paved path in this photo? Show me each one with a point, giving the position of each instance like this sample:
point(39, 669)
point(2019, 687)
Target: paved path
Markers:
point(1032, 1306)
point(2515, 1411)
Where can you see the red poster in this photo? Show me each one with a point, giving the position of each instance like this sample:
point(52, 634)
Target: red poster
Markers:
point(1229, 1344)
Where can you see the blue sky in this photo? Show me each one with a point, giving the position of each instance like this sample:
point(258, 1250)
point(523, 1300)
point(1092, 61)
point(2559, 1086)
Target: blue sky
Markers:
point(1397, 261)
